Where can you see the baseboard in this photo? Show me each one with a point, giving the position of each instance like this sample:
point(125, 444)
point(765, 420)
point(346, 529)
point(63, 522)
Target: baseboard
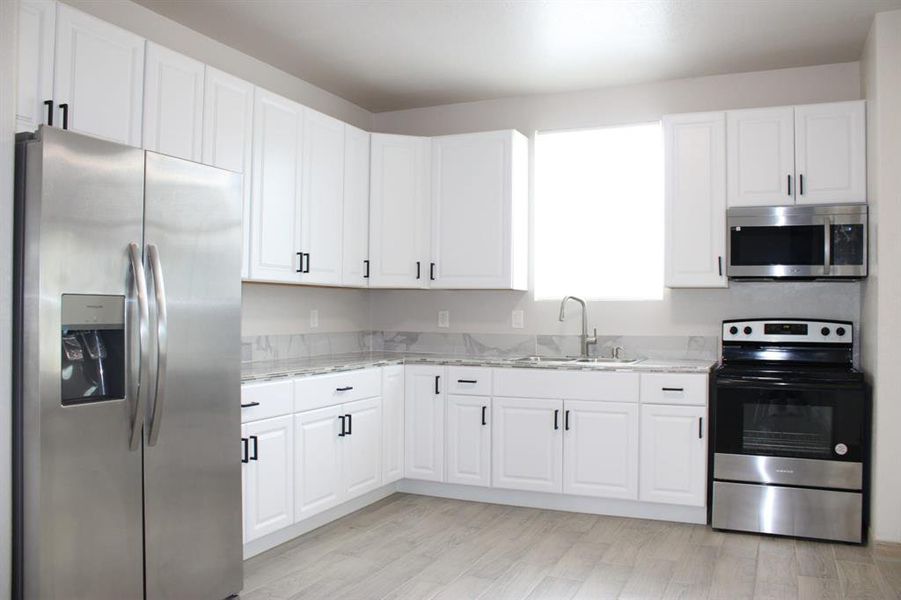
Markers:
point(582, 504)
point(281, 536)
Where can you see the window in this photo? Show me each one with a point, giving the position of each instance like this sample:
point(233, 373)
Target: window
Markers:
point(599, 213)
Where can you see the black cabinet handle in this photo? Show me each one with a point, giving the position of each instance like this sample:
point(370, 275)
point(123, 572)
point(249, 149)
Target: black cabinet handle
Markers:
point(343, 432)
point(556, 418)
point(437, 389)
point(484, 415)
point(350, 424)
point(250, 404)
point(719, 261)
point(467, 381)
point(65, 108)
point(418, 269)
point(701, 428)
point(432, 271)
point(789, 185)
point(566, 421)
point(307, 269)
point(49, 105)
point(666, 389)
point(344, 389)
point(244, 458)
point(299, 262)
point(801, 184)
point(366, 269)
point(256, 448)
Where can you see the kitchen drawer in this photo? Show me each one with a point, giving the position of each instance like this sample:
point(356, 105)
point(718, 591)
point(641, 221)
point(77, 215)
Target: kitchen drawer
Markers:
point(318, 391)
point(268, 399)
point(469, 381)
point(674, 388)
point(567, 385)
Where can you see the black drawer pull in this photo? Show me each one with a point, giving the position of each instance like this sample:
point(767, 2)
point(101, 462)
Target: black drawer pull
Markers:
point(467, 381)
point(701, 428)
point(344, 389)
point(244, 458)
point(719, 261)
point(256, 448)
point(432, 271)
point(366, 269)
point(566, 420)
point(484, 415)
point(669, 389)
point(343, 432)
point(437, 389)
point(556, 419)
point(350, 424)
point(801, 184)
point(299, 262)
point(250, 404)
point(65, 108)
point(418, 269)
point(49, 105)
point(789, 185)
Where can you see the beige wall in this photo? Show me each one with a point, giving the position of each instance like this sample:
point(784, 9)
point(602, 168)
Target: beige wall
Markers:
point(269, 309)
point(881, 83)
point(681, 312)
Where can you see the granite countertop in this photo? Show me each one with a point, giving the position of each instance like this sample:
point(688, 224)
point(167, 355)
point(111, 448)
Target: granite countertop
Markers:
point(300, 367)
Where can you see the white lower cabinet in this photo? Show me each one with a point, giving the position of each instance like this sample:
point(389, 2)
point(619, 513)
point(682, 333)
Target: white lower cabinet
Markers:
point(317, 460)
point(392, 423)
point(673, 462)
point(600, 449)
point(362, 452)
point(424, 423)
point(268, 476)
point(527, 445)
point(468, 442)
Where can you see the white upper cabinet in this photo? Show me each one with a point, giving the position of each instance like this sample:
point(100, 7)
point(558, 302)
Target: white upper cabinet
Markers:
point(527, 444)
point(356, 208)
point(424, 423)
point(468, 440)
point(173, 103)
point(37, 30)
point(228, 136)
point(322, 200)
point(479, 211)
point(760, 156)
point(830, 153)
point(275, 231)
point(98, 77)
point(392, 423)
point(399, 211)
point(673, 462)
point(695, 150)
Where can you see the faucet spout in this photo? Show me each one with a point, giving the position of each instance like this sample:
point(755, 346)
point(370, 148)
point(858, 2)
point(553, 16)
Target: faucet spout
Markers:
point(586, 340)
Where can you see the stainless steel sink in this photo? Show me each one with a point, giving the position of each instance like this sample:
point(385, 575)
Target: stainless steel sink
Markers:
point(602, 360)
point(598, 360)
point(545, 359)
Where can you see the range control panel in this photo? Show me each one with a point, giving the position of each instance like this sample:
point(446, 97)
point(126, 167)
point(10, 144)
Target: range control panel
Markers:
point(788, 330)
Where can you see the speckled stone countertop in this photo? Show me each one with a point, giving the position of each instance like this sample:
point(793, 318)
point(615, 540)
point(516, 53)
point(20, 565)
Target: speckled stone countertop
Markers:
point(301, 367)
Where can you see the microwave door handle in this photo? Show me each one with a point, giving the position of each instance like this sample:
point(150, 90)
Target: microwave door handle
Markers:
point(827, 246)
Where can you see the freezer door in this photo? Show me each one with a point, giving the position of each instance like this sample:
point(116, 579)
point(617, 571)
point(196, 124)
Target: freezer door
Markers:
point(192, 473)
point(79, 206)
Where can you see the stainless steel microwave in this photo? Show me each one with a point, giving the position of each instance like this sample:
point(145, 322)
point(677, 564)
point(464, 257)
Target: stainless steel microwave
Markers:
point(797, 242)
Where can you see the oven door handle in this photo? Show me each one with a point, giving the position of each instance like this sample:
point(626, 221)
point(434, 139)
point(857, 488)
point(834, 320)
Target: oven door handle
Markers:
point(827, 246)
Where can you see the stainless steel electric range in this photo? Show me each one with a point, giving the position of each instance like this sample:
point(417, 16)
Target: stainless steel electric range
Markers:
point(791, 431)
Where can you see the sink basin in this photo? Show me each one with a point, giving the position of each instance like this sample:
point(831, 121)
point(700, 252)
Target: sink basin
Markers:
point(601, 360)
point(545, 359)
point(596, 360)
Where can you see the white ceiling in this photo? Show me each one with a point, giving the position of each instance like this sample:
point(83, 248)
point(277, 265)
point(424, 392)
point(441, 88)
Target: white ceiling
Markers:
point(395, 54)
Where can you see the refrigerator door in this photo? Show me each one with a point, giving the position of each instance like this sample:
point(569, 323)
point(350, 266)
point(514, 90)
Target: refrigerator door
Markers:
point(78, 508)
point(192, 475)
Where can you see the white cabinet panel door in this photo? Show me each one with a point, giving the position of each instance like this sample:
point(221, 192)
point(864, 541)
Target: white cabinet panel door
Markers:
point(469, 440)
point(600, 449)
point(527, 444)
point(362, 454)
point(37, 31)
point(269, 476)
point(322, 199)
point(760, 157)
point(173, 103)
point(99, 75)
point(695, 200)
point(275, 224)
point(673, 463)
point(317, 455)
point(399, 211)
point(392, 423)
point(476, 198)
point(356, 208)
point(228, 136)
point(830, 152)
point(424, 423)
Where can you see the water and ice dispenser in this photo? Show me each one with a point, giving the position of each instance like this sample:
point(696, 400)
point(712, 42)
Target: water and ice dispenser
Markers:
point(93, 348)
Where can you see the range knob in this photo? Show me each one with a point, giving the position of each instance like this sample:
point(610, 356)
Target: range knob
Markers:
point(825, 331)
point(733, 330)
point(840, 331)
point(748, 330)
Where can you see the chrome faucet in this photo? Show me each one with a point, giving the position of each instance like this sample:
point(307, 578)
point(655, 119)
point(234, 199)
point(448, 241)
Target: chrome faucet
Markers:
point(586, 341)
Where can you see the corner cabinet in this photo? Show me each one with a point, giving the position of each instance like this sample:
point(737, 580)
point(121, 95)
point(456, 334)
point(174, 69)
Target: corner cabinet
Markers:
point(695, 192)
point(36, 39)
point(355, 272)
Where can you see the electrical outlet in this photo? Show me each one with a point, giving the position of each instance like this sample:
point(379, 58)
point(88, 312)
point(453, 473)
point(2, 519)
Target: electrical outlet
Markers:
point(444, 319)
point(518, 319)
point(314, 318)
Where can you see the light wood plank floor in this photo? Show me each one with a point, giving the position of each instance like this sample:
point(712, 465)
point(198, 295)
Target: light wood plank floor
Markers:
point(421, 548)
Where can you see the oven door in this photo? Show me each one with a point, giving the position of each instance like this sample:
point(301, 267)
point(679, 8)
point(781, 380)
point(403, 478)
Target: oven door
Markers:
point(809, 435)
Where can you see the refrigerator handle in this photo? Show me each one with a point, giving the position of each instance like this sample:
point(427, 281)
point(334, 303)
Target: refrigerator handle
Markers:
point(162, 335)
point(138, 371)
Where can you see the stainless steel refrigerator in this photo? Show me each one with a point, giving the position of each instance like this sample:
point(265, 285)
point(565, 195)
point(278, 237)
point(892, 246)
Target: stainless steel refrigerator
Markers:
point(127, 375)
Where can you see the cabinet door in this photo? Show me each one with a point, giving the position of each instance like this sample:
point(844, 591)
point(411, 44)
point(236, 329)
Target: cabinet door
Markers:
point(269, 477)
point(277, 174)
point(362, 454)
point(399, 211)
point(173, 103)
point(695, 148)
point(323, 198)
point(479, 189)
point(99, 74)
point(830, 152)
point(228, 135)
point(760, 156)
point(37, 29)
point(424, 423)
point(600, 449)
point(527, 444)
point(392, 423)
point(317, 454)
point(673, 463)
point(355, 272)
point(469, 440)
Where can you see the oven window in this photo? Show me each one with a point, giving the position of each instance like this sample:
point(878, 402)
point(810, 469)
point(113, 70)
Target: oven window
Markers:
point(847, 244)
point(787, 430)
point(771, 245)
